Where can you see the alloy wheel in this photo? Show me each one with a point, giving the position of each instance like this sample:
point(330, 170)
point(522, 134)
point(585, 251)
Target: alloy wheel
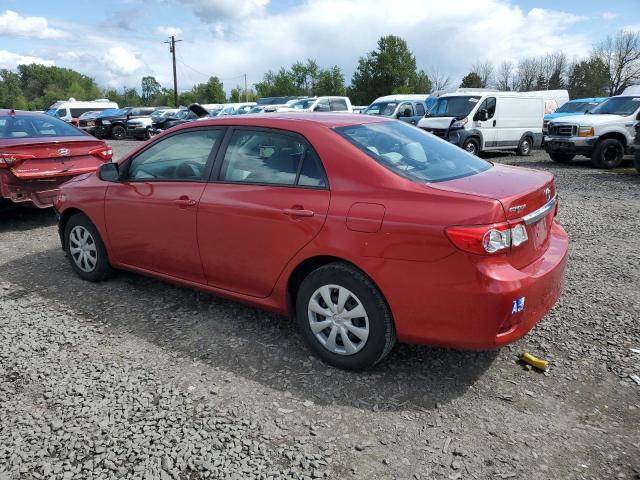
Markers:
point(82, 248)
point(338, 320)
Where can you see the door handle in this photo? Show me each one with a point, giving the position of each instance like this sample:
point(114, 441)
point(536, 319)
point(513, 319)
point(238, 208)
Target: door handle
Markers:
point(298, 212)
point(184, 202)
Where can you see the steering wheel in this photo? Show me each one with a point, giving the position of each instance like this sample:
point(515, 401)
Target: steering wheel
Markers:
point(193, 166)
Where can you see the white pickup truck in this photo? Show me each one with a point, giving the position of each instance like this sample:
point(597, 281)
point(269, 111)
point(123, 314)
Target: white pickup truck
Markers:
point(604, 134)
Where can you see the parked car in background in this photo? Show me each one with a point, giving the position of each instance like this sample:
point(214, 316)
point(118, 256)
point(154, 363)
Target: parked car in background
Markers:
point(235, 109)
point(71, 110)
point(577, 106)
point(319, 104)
point(115, 125)
point(139, 127)
point(481, 120)
point(553, 99)
point(358, 108)
point(87, 121)
point(604, 134)
point(636, 149)
point(364, 229)
point(183, 115)
point(274, 107)
point(408, 108)
point(39, 152)
point(277, 100)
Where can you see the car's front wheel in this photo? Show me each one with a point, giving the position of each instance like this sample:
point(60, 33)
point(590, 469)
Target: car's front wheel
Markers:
point(118, 132)
point(344, 317)
point(608, 153)
point(524, 149)
point(85, 249)
point(471, 145)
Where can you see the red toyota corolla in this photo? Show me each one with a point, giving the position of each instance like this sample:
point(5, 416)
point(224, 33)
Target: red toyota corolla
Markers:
point(366, 230)
point(39, 152)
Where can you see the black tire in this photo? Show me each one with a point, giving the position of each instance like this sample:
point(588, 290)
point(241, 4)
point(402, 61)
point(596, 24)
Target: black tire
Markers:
point(381, 329)
point(525, 147)
point(471, 145)
point(118, 132)
point(561, 157)
point(607, 154)
point(102, 269)
point(147, 136)
point(636, 159)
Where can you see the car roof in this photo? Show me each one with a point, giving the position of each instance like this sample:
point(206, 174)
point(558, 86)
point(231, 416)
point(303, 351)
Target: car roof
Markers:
point(22, 113)
point(281, 120)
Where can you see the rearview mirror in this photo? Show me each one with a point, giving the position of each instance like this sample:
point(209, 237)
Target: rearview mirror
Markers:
point(109, 172)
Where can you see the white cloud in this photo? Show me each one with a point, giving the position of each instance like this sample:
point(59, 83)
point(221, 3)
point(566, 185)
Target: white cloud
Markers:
point(11, 60)
point(216, 10)
point(608, 16)
point(169, 31)
point(119, 60)
point(13, 24)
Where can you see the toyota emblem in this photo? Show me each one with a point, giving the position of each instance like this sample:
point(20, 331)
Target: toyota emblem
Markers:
point(547, 194)
point(63, 152)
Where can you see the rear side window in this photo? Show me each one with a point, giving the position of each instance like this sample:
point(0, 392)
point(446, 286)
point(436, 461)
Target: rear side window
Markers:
point(270, 158)
point(338, 104)
point(412, 152)
point(36, 127)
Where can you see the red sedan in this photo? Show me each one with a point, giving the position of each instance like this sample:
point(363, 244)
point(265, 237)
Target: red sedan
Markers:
point(39, 152)
point(366, 230)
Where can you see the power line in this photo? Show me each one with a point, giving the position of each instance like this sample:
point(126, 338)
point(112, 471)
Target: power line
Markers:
point(172, 49)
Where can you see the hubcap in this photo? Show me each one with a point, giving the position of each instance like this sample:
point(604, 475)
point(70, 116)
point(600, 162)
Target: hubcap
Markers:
point(611, 154)
point(525, 146)
point(471, 148)
point(338, 320)
point(82, 248)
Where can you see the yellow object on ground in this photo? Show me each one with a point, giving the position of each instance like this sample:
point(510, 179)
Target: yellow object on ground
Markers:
point(534, 362)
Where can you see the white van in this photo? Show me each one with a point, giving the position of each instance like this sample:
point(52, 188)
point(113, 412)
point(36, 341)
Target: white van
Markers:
point(70, 110)
point(553, 99)
point(480, 120)
point(320, 104)
point(409, 108)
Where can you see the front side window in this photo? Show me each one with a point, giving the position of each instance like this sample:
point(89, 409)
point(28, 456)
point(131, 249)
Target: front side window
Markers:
point(179, 157)
point(384, 109)
point(272, 158)
point(489, 105)
point(402, 111)
point(411, 152)
point(36, 127)
point(323, 106)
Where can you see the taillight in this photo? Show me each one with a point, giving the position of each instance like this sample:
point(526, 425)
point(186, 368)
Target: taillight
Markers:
point(10, 159)
point(488, 239)
point(104, 153)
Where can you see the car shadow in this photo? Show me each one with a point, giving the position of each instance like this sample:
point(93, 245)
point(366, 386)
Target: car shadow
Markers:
point(249, 342)
point(19, 218)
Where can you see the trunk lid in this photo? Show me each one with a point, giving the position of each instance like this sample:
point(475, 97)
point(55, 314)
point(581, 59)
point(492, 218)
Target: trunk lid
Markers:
point(64, 156)
point(521, 192)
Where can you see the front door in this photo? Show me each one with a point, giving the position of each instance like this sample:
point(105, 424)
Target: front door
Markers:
point(487, 124)
point(151, 214)
point(268, 200)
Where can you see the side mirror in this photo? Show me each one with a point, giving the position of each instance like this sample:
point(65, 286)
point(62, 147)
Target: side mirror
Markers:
point(406, 112)
point(483, 115)
point(109, 172)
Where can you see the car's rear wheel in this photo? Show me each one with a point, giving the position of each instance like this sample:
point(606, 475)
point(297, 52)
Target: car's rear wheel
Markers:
point(608, 153)
point(344, 317)
point(85, 249)
point(524, 149)
point(118, 132)
point(636, 160)
point(471, 145)
point(561, 157)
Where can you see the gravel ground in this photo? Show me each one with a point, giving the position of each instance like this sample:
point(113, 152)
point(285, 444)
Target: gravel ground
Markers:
point(135, 378)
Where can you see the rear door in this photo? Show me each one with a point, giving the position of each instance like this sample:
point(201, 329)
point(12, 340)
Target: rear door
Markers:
point(270, 199)
point(151, 214)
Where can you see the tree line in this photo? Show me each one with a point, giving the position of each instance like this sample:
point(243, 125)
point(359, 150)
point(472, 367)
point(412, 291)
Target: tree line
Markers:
point(611, 66)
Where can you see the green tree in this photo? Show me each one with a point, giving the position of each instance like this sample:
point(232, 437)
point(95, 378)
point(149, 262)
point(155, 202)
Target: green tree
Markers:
point(277, 84)
point(187, 98)
point(471, 80)
point(150, 89)
point(589, 78)
point(391, 67)
point(11, 95)
point(329, 82)
point(210, 92)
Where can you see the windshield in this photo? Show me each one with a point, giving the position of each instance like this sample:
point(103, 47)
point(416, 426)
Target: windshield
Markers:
point(573, 107)
point(617, 106)
point(411, 152)
point(31, 126)
point(256, 109)
point(385, 109)
point(179, 115)
point(303, 104)
point(458, 107)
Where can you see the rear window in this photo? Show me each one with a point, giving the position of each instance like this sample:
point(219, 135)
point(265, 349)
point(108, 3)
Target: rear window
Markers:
point(35, 127)
point(411, 152)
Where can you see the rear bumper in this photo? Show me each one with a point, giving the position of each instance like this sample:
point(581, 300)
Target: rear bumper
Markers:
point(462, 303)
point(40, 193)
point(570, 145)
point(137, 131)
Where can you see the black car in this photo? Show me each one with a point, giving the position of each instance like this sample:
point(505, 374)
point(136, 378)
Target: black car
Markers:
point(115, 125)
point(184, 115)
point(636, 148)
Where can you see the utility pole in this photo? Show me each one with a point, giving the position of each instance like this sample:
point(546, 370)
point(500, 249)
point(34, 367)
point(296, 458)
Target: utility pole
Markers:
point(172, 49)
point(246, 94)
